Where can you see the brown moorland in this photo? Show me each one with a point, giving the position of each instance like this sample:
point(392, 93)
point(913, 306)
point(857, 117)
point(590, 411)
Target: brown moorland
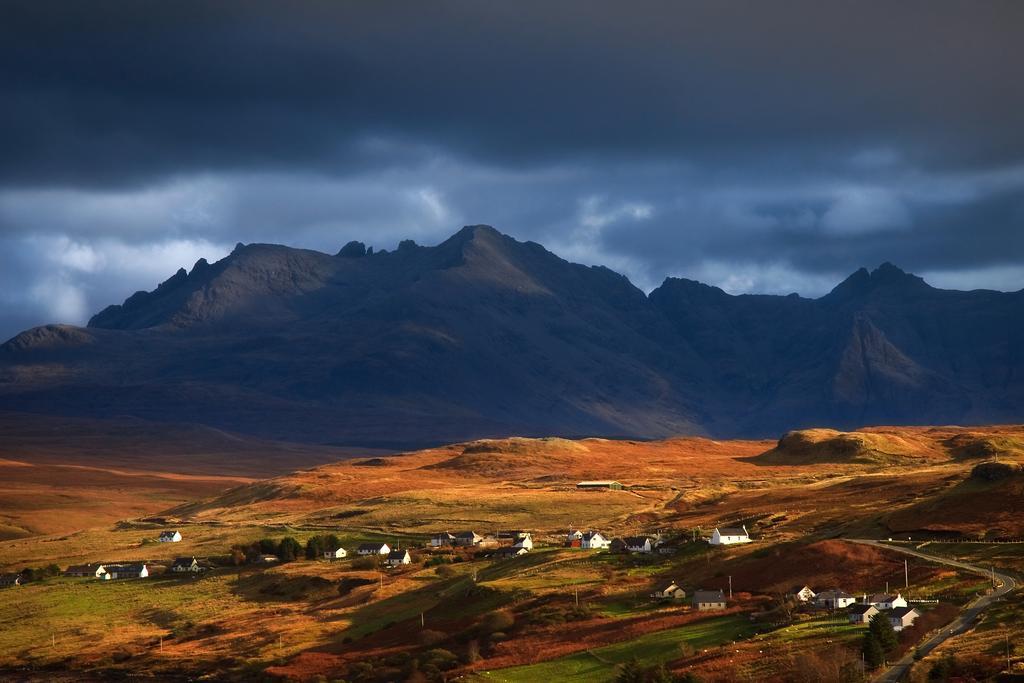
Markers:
point(292, 621)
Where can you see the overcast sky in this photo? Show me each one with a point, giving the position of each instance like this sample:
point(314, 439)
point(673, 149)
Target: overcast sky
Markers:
point(761, 147)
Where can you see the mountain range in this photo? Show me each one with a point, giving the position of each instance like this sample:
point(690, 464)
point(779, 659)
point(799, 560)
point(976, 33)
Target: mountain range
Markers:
point(485, 336)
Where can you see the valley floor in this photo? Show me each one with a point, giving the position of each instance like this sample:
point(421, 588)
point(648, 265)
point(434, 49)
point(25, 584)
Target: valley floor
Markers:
point(555, 613)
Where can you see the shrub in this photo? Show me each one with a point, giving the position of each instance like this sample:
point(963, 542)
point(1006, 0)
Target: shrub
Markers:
point(499, 620)
point(428, 637)
point(366, 562)
point(440, 658)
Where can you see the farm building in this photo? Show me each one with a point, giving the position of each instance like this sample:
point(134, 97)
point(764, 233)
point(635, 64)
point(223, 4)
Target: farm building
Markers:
point(335, 554)
point(802, 593)
point(169, 536)
point(574, 538)
point(861, 613)
point(442, 540)
point(670, 592)
point(884, 601)
point(638, 544)
point(902, 617)
point(510, 552)
point(729, 536)
point(594, 540)
point(186, 564)
point(398, 557)
point(600, 484)
point(708, 600)
point(468, 538)
point(373, 549)
point(834, 599)
point(123, 571)
point(10, 580)
point(90, 570)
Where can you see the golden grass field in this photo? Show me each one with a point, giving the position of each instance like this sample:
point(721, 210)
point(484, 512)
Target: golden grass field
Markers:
point(799, 497)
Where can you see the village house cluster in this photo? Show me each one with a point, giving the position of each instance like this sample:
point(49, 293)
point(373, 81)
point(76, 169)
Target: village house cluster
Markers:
point(860, 611)
point(510, 544)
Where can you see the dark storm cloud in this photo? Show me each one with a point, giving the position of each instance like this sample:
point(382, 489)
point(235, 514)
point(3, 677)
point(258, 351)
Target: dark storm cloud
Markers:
point(113, 92)
point(760, 146)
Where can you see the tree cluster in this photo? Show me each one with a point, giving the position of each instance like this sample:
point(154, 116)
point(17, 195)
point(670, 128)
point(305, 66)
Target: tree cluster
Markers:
point(286, 549)
point(316, 546)
point(38, 573)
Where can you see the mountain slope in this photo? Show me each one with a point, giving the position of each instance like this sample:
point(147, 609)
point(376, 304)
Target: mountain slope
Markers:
point(484, 336)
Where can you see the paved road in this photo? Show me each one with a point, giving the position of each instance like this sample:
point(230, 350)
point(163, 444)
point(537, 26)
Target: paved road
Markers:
point(1004, 584)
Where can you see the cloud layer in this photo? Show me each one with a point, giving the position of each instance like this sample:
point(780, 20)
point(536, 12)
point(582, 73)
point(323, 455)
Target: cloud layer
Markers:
point(762, 148)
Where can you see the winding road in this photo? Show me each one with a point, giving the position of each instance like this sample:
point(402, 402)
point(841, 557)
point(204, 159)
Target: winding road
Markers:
point(1004, 584)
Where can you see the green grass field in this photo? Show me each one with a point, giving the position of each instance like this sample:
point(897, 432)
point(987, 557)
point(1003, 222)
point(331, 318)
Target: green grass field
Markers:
point(601, 663)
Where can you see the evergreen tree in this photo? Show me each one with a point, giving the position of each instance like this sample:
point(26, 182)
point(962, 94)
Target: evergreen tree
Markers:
point(874, 655)
point(314, 548)
point(631, 672)
point(881, 628)
point(288, 549)
point(331, 542)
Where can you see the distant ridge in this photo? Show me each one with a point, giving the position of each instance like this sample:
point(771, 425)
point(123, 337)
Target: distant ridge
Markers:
point(485, 336)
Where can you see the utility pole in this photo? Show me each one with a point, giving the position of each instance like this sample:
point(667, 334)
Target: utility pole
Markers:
point(1006, 634)
point(730, 587)
point(422, 620)
point(886, 587)
point(906, 575)
point(576, 591)
point(993, 569)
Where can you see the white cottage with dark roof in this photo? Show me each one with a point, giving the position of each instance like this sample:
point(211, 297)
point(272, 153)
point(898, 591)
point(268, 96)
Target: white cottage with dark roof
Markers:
point(729, 536)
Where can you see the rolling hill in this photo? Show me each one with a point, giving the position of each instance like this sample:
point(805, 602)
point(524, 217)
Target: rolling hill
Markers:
point(484, 336)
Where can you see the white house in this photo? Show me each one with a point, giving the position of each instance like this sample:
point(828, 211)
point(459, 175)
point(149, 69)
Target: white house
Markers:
point(442, 540)
point(524, 541)
point(335, 554)
point(186, 564)
point(729, 536)
point(398, 557)
point(124, 571)
point(802, 593)
point(884, 601)
point(638, 544)
point(670, 592)
point(594, 540)
point(373, 549)
point(709, 600)
point(902, 617)
point(834, 599)
point(169, 536)
point(573, 537)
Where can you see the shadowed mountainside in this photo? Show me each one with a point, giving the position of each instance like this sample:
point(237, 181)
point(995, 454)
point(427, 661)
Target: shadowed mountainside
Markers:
point(484, 336)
